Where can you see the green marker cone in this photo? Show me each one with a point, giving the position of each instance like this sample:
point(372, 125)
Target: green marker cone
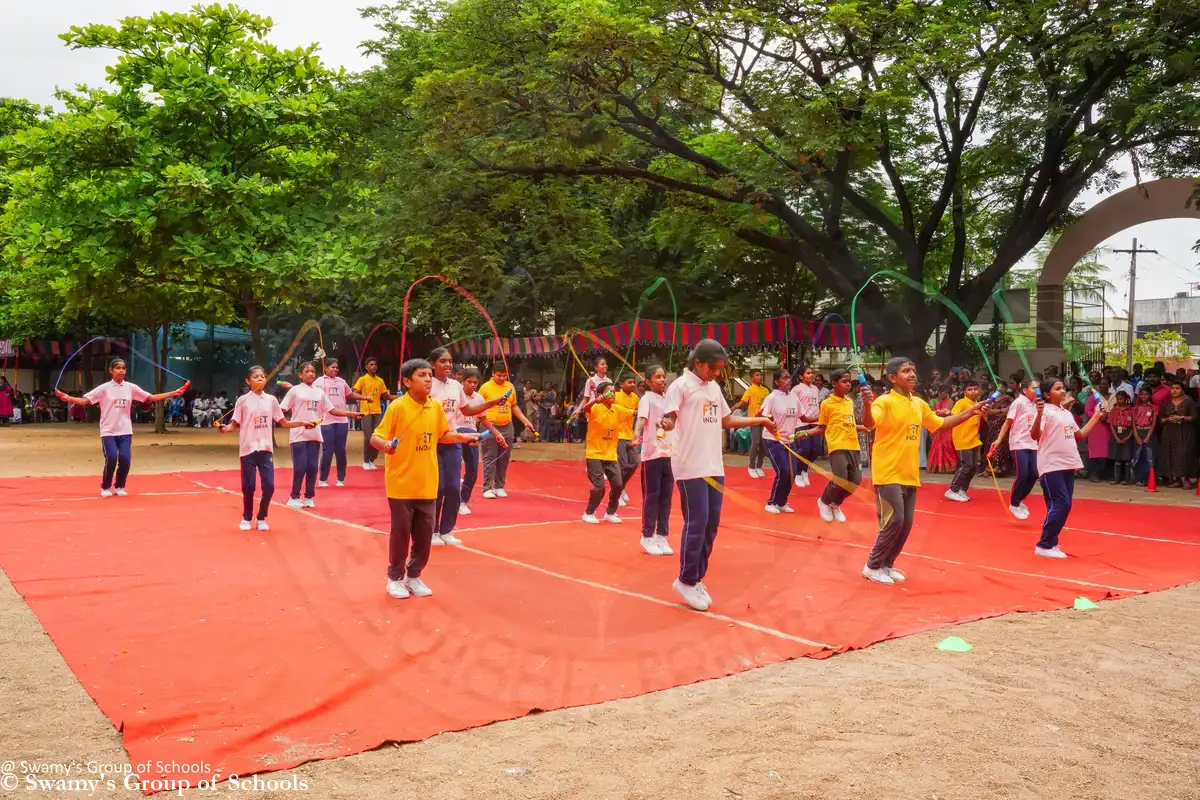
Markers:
point(1083, 604)
point(954, 645)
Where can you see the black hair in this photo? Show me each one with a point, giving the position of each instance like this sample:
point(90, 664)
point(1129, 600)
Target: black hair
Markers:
point(471, 372)
point(306, 364)
point(410, 367)
point(1048, 384)
point(370, 359)
point(653, 368)
point(255, 368)
point(499, 366)
point(754, 372)
point(970, 383)
point(602, 387)
point(893, 365)
point(776, 376)
point(118, 360)
point(707, 351)
point(837, 375)
point(596, 363)
point(331, 362)
point(627, 377)
point(437, 353)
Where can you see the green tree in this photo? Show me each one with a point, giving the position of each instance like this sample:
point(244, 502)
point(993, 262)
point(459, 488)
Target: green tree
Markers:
point(201, 174)
point(1148, 348)
point(957, 134)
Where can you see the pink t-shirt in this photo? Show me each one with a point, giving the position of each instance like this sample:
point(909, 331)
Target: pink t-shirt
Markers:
point(784, 408)
point(256, 415)
point(452, 397)
point(471, 422)
point(1022, 413)
point(336, 389)
point(116, 404)
point(589, 388)
point(650, 408)
point(307, 404)
point(1057, 449)
point(696, 440)
point(808, 404)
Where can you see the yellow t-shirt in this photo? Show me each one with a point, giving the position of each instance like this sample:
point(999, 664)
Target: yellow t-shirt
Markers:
point(837, 415)
point(965, 434)
point(898, 422)
point(372, 387)
point(753, 397)
point(630, 401)
point(602, 430)
point(501, 413)
point(412, 471)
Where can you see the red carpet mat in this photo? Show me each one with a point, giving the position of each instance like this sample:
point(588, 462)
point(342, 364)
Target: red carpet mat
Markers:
point(250, 652)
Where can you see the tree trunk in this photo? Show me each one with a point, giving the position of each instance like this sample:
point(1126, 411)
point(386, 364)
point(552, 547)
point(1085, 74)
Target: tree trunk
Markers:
point(254, 320)
point(160, 377)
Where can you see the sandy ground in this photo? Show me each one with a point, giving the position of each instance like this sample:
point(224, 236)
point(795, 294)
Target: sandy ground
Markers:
point(1098, 704)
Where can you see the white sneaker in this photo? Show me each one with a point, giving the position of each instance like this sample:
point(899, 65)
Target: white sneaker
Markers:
point(896, 575)
point(436, 540)
point(340, 483)
point(825, 511)
point(322, 484)
point(591, 519)
point(663, 547)
point(119, 492)
point(106, 492)
point(622, 502)
point(308, 502)
point(613, 518)
point(463, 510)
point(262, 525)
point(838, 516)
point(692, 595)
point(1051, 552)
point(704, 591)
point(1017, 512)
point(501, 493)
point(397, 589)
point(878, 575)
point(450, 538)
point(799, 481)
point(624, 498)
point(489, 495)
point(367, 466)
point(417, 588)
point(787, 509)
point(807, 478)
point(770, 509)
point(955, 496)
point(244, 525)
point(752, 472)
point(1024, 508)
point(294, 503)
point(650, 545)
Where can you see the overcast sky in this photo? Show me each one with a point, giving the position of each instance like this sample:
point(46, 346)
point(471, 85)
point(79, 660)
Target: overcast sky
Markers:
point(34, 61)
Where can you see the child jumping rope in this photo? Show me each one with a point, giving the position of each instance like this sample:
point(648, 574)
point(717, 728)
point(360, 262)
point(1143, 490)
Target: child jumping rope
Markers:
point(410, 431)
point(627, 455)
point(308, 403)
point(371, 390)
point(458, 408)
point(1017, 426)
point(1057, 435)
point(781, 405)
point(899, 416)
point(605, 419)
point(752, 400)
point(116, 399)
point(967, 444)
point(335, 428)
point(255, 414)
point(470, 424)
point(696, 411)
point(838, 423)
point(807, 397)
point(657, 480)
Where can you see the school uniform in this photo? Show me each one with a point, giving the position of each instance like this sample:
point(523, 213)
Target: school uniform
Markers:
point(657, 479)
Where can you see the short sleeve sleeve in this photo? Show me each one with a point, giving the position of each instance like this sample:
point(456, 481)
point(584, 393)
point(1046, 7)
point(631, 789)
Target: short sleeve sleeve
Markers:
point(929, 420)
point(826, 414)
point(386, 429)
point(1012, 411)
point(140, 395)
point(324, 405)
point(97, 394)
point(724, 406)
point(643, 409)
point(674, 397)
point(239, 412)
point(289, 400)
point(276, 411)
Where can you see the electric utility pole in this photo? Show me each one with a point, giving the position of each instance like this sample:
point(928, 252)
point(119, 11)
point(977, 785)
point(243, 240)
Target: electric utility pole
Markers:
point(1133, 254)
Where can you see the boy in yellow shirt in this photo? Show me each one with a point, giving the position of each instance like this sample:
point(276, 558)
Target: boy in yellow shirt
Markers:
point(836, 421)
point(627, 455)
point(968, 445)
point(752, 400)
point(410, 432)
point(495, 457)
point(368, 390)
point(899, 416)
point(605, 421)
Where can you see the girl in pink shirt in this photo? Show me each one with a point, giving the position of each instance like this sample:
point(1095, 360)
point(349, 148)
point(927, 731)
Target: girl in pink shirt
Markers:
point(116, 399)
point(1056, 433)
point(308, 403)
point(255, 414)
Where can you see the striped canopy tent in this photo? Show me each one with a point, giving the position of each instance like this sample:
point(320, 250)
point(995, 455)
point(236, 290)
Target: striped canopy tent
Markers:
point(759, 334)
point(36, 353)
